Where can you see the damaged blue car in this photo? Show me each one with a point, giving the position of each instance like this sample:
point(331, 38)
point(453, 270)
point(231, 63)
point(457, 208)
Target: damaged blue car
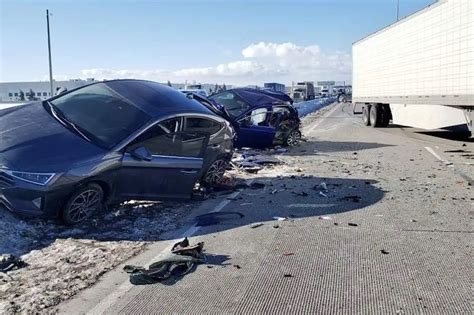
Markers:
point(261, 118)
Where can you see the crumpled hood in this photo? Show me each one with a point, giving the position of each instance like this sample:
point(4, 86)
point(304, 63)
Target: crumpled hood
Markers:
point(32, 140)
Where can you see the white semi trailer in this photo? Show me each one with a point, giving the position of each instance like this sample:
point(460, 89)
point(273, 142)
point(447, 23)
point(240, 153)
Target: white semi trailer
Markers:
point(418, 71)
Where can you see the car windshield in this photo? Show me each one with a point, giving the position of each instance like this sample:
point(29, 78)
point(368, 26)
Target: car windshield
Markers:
point(99, 114)
point(233, 104)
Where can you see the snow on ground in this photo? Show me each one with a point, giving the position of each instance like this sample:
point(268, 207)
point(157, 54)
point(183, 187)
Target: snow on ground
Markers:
point(64, 260)
point(307, 107)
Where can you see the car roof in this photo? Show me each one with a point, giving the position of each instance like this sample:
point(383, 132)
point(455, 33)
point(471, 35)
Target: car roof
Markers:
point(257, 98)
point(156, 99)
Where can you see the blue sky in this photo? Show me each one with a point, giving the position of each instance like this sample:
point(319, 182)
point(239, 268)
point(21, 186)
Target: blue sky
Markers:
point(237, 42)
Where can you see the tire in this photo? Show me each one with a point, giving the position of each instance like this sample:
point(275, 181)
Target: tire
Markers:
point(385, 115)
point(82, 204)
point(366, 114)
point(215, 172)
point(375, 115)
point(293, 138)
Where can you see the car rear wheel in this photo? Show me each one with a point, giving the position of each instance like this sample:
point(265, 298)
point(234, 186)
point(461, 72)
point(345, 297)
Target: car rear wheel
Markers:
point(215, 172)
point(293, 138)
point(82, 204)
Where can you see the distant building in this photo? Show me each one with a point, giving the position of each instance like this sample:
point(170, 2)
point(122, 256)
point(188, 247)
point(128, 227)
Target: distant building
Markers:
point(276, 87)
point(11, 91)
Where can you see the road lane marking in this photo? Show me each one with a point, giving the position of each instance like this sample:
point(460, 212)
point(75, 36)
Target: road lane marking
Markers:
point(467, 178)
point(430, 150)
point(121, 290)
point(310, 128)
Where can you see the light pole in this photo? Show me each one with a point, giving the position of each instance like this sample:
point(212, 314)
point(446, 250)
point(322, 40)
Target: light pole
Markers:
point(398, 10)
point(49, 52)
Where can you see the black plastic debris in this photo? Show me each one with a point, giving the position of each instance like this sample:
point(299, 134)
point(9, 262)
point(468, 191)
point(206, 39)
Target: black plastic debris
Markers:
point(383, 251)
point(352, 224)
point(457, 151)
point(181, 261)
point(352, 198)
point(256, 225)
point(301, 193)
point(288, 275)
point(10, 262)
point(212, 218)
point(257, 185)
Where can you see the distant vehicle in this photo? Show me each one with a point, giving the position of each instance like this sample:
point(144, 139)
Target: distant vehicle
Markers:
point(200, 92)
point(306, 89)
point(406, 74)
point(261, 118)
point(105, 143)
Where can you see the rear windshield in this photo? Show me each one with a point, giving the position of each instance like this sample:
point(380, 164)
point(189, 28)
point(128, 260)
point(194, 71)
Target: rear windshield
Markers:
point(103, 115)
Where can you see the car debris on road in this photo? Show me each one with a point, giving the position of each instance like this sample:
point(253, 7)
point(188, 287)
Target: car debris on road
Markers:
point(181, 261)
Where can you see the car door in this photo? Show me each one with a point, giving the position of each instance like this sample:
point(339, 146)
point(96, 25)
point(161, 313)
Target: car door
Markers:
point(254, 130)
point(171, 169)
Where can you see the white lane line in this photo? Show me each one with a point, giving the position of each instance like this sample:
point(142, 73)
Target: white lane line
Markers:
point(121, 290)
point(430, 150)
point(310, 128)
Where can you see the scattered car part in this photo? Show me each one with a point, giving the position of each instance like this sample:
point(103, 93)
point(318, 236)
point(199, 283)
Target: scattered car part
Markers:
point(182, 259)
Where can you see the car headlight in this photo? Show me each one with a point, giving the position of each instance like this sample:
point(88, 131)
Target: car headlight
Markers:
point(34, 178)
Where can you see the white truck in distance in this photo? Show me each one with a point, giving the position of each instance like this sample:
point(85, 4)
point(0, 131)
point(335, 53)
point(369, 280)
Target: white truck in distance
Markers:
point(419, 71)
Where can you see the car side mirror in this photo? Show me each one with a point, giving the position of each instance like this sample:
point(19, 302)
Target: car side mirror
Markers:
point(61, 91)
point(141, 154)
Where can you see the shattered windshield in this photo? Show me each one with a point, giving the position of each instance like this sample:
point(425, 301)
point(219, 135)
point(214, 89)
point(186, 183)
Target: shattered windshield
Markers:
point(100, 113)
point(233, 104)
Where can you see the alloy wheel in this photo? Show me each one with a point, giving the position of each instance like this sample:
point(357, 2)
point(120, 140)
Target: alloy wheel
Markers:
point(293, 138)
point(215, 172)
point(83, 205)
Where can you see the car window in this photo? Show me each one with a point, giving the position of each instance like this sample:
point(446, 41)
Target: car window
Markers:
point(257, 117)
point(161, 128)
point(234, 105)
point(166, 138)
point(101, 113)
point(203, 125)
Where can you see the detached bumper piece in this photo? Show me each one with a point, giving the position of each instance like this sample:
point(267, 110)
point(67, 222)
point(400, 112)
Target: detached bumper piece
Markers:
point(181, 261)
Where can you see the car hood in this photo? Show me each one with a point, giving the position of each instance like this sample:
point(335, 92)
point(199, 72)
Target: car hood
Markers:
point(32, 140)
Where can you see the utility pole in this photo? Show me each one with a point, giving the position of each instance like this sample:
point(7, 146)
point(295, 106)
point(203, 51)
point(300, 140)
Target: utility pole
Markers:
point(398, 10)
point(49, 52)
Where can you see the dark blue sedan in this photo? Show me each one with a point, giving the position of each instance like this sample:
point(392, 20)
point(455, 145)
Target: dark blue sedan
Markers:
point(105, 143)
point(261, 118)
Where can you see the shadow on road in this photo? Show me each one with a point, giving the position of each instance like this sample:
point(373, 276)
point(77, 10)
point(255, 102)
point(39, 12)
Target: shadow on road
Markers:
point(296, 198)
point(314, 146)
point(292, 197)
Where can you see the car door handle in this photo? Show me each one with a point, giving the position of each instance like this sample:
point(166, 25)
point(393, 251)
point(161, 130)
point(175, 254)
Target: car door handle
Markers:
point(215, 146)
point(188, 172)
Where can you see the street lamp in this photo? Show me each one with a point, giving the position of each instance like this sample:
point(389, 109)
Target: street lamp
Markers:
point(49, 52)
point(398, 10)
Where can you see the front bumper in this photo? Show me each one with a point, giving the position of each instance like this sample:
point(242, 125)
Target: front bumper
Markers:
point(31, 200)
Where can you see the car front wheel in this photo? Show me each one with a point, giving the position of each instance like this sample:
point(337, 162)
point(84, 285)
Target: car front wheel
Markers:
point(82, 204)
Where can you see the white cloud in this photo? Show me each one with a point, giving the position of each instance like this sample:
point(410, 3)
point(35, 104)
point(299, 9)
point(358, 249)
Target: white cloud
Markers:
point(261, 62)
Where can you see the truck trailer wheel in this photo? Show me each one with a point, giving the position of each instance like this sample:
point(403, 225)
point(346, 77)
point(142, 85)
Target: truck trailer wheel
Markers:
point(375, 115)
point(385, 115)
point(366, 114)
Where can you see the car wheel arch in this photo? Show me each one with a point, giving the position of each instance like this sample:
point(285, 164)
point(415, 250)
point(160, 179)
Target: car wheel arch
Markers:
point(107, 187)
